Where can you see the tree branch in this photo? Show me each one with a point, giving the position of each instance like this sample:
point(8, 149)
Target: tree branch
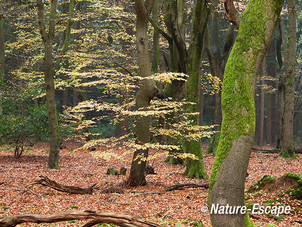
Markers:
point(110, 218)
point(41, 20)
point(149, 6)
point(45, 181)
point(160, 30)
point(232, 13)
point(52, 19)
point(67, 36)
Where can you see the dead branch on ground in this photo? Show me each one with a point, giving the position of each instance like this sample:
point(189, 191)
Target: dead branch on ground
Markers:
point(45, 181)
point(183, 186)
point(109, 218)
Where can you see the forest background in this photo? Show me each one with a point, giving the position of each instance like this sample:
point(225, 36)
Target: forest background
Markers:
point(85, 54)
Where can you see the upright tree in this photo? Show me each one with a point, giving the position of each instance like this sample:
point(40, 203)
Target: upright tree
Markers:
point(2, 56)
point(217, 58)
point(287, 83)
point(49, 73)
point(145, 94)
point(202, 10)
point(257, 26)
point(186, 60)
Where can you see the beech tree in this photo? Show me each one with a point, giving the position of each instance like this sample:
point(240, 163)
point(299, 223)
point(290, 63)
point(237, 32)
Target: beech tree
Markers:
point(145, 94)
point(188, 61)
point(257, 26)
point(49, 73)
point(195, 167)
point(286, 86)
point(2, 56)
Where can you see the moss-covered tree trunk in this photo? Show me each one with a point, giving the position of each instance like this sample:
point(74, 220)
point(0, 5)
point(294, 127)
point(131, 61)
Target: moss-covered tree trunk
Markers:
point(238, 126)
point(2, 58)
point(217, 60)
point(146, 92)
point(195, 168)
point(177, 63)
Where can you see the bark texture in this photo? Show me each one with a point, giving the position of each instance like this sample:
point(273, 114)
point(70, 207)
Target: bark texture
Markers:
point(261, 106)
point(2, 57)
point(2, 54)
point(288, 83)
point(238, 126)
point(271, 96)
point(97, 217)
point(146, 92)
point(217, 59)
point(45, 181)
point(202, 11)
point(47, 37)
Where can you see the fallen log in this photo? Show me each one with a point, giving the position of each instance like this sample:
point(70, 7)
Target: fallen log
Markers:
point(97, 217)
point(183, 186)
point(45, 181)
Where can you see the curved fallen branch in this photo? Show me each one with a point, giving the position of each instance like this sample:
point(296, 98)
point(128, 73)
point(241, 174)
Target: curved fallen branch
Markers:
point(98, 217)
point(45, 181)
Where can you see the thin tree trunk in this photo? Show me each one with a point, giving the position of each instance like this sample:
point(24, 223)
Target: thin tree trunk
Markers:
point(49, 73)
point(261, 107)
point(288, 126)
point(155, 59)
point(271, 97)
point(65, 97)
point(122, 125)
point(196, 168)
point(2, 58)
point(238, 125)
point(53, 158)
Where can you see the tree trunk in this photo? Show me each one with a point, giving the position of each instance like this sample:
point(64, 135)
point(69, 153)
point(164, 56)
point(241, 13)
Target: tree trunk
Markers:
point(217, 60)
point(155, 59)
point(289, 92)
point(195, 168)
point(261, 106)
point(2, 58)
point(49, 73)
point(238, 126)
point(146, 92)
point(53, 158)
point(121, 127)
point(271, 97)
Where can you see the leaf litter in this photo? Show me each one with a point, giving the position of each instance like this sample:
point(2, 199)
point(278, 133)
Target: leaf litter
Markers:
point(81, 168)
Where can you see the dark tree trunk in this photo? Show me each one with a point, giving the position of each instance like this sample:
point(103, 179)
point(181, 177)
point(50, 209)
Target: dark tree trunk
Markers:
point(2, 57)
point(202, 11)
point(271, 97)
point(261, 106)
point(289, 91)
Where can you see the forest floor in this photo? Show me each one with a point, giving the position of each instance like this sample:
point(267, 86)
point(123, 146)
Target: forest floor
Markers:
point(83, 168)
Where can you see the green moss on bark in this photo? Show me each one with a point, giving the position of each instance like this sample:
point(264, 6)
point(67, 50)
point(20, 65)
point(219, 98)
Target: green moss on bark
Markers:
point(195, 168)
point(237, 92)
